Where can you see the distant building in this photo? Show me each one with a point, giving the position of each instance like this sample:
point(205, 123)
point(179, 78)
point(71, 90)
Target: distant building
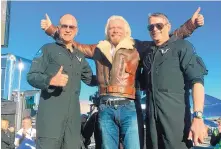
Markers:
point(18, 97)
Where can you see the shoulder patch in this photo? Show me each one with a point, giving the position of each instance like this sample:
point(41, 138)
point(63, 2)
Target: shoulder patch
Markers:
point(194, 50)
point(39, 54)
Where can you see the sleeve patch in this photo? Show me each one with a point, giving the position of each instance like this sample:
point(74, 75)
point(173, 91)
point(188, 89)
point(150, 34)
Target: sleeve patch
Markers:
point(39, 54)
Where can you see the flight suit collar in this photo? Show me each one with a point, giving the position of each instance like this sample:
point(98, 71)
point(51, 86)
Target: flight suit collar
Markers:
point(61, 43)
point(67, 51)
point(105, 47)
point(164, 50)
point(168, 42)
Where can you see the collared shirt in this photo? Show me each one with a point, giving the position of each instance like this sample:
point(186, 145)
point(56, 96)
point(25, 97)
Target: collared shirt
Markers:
point(112, 50)
point(28, 142)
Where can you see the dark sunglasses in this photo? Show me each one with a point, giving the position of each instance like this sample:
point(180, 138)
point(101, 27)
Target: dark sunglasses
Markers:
point(159, 26)
point(64, 26)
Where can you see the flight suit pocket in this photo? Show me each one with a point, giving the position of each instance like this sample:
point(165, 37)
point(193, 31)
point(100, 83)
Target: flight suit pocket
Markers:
point(174, 62)
point(60, 59)
point(202, 65)
point(52, 69)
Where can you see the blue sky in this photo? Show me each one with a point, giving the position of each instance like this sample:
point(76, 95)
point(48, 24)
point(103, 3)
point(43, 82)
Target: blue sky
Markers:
point(26, 36)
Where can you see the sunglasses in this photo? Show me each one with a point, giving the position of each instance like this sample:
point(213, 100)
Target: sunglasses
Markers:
point(159, 26)
point(64, 26)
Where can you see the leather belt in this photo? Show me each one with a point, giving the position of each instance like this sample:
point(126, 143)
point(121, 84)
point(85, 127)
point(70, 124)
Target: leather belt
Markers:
point(117, 89)
point(114, 102)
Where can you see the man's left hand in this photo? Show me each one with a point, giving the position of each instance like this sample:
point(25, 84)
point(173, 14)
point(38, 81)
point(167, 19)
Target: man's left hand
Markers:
point(197, 18)
point(197, 131)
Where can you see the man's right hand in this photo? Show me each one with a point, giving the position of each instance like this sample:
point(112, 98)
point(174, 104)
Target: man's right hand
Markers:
point(59, 80)
point(197, 18)
point(45, 23)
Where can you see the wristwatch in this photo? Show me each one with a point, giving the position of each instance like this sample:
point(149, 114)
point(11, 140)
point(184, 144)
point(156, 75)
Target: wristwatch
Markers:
point(198, 114)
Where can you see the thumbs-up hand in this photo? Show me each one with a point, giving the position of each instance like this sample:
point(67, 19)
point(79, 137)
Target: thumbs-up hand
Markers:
point(45, 23)
point(197, 18)
point(60, 79)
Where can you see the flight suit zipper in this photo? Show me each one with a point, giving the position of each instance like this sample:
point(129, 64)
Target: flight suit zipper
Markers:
point(152, 83)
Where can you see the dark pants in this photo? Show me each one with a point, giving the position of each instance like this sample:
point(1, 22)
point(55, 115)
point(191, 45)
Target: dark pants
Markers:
point(66, 141)
point(167, 130)
point(58, 126)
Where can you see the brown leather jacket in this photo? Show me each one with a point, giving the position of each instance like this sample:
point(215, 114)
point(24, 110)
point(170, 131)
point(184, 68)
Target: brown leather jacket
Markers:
point(116, 74)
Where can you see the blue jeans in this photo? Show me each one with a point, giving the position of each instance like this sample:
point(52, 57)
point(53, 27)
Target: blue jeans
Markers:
point(119, 122)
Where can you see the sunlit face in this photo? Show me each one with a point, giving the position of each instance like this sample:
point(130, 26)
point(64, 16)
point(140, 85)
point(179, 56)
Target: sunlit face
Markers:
point(67, 29)
point(158, 28)
point(116, 31)
point(26, 123)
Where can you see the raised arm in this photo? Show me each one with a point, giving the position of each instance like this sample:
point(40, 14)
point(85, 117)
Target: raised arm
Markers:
point(190, 25)
point(51, 30)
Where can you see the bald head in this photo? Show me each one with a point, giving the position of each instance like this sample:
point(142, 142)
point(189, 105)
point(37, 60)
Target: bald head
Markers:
point(69, 18)
point(68, 28)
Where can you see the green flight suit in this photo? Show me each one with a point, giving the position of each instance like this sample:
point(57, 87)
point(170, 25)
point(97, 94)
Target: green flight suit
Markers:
point(170, 72)
point(58, 118)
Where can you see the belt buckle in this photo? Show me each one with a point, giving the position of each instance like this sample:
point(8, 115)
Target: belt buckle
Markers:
point(115, 106)
point(115, 103)
point(108, 102)
point(112, 102)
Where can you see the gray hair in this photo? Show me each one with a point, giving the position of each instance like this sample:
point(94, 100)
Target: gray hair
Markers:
point(158, 14)
point(126, 25)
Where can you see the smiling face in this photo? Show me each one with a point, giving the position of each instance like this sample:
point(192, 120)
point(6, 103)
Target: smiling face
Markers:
point(116, 31)
point(159, 28)
point(68, 28)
